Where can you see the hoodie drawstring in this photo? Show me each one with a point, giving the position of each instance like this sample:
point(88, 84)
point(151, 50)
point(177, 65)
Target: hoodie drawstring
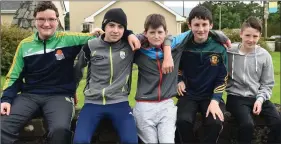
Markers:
point(256, 59)
point(232, 69)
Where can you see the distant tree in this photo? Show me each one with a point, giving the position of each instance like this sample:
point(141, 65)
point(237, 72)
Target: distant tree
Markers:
point(184, 27)
point(233, 13)
point(66, 21)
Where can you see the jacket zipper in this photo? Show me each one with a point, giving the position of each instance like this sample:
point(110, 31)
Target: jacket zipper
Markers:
point(111, 75)
point(160, 72)
point(44, 43)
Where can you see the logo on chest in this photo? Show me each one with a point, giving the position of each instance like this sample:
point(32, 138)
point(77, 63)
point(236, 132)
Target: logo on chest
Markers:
point(122, 54)
point(214, 59)
point(59, 55)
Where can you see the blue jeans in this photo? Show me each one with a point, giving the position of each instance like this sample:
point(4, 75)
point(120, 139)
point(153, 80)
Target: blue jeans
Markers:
point(120, 115)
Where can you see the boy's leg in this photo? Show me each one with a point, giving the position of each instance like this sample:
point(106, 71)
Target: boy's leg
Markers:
point(212, 127)
point(241, 109)
point(167, 125)
point(146, 122)
point(88, 120)
point(123, 120)
point(58, 112)
point(273, 119)
point(22, 110)
point(186, 115)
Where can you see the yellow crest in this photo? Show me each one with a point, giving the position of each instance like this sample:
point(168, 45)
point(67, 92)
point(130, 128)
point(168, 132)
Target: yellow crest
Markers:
point(214, 60)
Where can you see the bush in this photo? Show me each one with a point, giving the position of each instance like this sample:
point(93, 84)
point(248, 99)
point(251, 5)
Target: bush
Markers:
point(234, 36)
point(11, 36)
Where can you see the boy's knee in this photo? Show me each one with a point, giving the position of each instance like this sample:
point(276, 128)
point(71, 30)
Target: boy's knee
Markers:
point(185, 117)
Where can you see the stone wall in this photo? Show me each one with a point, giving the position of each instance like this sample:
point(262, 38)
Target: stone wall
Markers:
point(34, 132)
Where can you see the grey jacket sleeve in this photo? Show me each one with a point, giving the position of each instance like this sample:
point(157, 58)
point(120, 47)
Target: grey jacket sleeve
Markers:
point(266, 80)
point(83, 59)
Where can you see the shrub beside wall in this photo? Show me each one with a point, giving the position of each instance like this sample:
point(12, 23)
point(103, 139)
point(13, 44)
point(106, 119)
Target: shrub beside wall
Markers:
point(11, 36)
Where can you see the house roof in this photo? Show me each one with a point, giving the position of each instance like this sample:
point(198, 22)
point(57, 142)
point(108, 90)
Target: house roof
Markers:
point(9, 6)
point(12, 6)
point(90, 19)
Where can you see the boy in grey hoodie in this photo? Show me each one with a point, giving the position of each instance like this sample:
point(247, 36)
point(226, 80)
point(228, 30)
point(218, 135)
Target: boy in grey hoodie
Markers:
point(250, 83)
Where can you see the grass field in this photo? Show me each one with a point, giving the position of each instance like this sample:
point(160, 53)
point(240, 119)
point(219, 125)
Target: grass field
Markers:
point(275, 97)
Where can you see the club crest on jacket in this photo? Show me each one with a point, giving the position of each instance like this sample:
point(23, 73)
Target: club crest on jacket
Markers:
point(122, 54)
point(214, 59)
point(59, 55)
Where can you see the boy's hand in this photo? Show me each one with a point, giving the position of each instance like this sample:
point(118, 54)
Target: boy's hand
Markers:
point(5, 108)
point(215, 110)
point(181, 88)
point(168, 65)
point(257, 107)
point(168, 62)
point(97, 32)
point(134, 42)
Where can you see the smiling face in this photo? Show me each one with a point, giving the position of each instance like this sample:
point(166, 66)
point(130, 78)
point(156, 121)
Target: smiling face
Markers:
point(250, 32)
point(200, 29)
point(113, 32)
point(250, 37)
point(46, 23)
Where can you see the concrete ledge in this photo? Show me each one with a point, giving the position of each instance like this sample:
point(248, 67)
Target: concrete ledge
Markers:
point(34, 132)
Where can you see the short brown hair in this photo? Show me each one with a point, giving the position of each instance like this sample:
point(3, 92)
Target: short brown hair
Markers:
point(252, 22)
point(154, 21)
point(44, 5)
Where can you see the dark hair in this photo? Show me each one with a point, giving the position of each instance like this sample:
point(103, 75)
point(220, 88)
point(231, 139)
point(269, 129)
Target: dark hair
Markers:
point(200, 12)
point(252, 22)
point(44, 5)
point(154, 21)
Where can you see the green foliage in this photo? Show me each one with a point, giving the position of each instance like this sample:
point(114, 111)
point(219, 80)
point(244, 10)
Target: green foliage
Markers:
point(184, 27)
point(232, 34)
point(273, 27)
point(66, 21)
point(10, 38)
point(232, 13)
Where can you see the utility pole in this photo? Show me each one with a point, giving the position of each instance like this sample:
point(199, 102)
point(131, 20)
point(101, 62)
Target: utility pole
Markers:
point(183, 8)
point(220, 19)
point(265, 6)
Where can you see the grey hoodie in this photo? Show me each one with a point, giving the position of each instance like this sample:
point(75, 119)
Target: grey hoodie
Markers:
point(250, 75)
point(109, 71)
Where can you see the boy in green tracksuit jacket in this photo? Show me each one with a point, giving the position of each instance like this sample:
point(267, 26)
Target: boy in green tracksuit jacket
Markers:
point(202, 79)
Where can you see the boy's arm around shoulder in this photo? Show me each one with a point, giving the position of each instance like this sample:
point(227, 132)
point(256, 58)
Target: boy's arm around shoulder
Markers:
point(82, 60)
